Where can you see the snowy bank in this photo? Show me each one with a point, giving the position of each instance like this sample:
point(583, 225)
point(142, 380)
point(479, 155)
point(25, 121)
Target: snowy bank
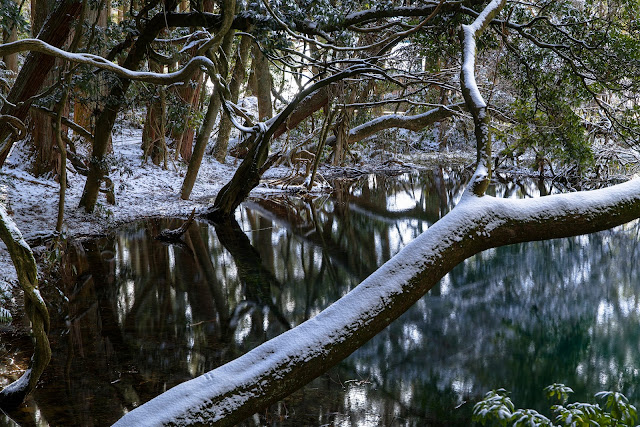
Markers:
point(141, 190)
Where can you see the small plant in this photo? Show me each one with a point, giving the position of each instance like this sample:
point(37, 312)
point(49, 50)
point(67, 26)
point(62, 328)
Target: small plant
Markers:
point(558, 391)
point(5, 316)
point(497, 409)
point(103, 211)
point(619, 407)
point(529, 417)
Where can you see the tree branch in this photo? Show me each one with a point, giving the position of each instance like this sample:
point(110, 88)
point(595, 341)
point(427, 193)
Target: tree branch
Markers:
point(474, 100)
point(181, 75)
point(415, 123)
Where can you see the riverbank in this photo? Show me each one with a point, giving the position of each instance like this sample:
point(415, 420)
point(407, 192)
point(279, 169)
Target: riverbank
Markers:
point(146, 190)
point(141, 190)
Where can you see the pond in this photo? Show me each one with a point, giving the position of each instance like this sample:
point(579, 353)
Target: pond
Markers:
point(133, 316)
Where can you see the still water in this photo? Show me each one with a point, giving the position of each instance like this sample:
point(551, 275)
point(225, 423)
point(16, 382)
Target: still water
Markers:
point(133, 317)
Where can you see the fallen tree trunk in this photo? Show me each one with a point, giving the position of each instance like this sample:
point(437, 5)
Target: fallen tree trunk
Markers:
point(273, 370)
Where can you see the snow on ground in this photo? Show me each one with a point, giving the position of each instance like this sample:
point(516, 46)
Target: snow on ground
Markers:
point(141, 190)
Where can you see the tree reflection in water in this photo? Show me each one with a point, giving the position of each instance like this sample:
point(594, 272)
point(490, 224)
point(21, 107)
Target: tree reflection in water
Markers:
point(135, 316)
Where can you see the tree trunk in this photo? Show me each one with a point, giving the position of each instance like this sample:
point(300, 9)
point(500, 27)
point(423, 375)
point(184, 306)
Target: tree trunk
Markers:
point(83, 108)
point(62, 149)
point(214, 103)
point(328, 119)
point(13, 394)
point(104, 124)
point(246, 178)
point(39, 12)
point(341, 132)
point(153, 139)
point(29, 81)
point(43, 136)
point(10, 35)
point(47, 158)
point(263, 84)
point(201, 144)
point(107, 117)
point(190, 94)
point(239, 74)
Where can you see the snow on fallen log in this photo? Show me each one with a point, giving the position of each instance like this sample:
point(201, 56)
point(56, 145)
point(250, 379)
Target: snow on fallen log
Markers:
point(234, 391)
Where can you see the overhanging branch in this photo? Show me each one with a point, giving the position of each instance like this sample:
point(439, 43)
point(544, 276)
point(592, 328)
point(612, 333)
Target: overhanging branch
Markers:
point(181, 75)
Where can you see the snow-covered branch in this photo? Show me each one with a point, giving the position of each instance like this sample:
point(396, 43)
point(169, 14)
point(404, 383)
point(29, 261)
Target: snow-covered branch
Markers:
point(181, 75)
point(242, 387)
point(383, 42)
point(474, 100)
point(415, 123)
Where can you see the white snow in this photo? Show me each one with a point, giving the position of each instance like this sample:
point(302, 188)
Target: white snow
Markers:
point(100, 62)
point(469, 53)
point(469, 65)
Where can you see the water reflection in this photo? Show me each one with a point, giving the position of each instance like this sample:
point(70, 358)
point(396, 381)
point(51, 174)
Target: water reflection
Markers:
point(138, 316)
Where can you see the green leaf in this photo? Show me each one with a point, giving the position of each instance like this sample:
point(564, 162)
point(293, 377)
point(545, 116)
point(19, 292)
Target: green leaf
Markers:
point(5, 316)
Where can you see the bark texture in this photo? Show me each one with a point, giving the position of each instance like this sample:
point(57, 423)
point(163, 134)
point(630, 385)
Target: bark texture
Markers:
point(9, 35)
point(263, 83)
point(55, 31)
point(42, 133)
point(238, 76)
point(154, 145)
point(13, 394)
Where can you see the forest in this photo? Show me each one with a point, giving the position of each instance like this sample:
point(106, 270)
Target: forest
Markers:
point(271, 212)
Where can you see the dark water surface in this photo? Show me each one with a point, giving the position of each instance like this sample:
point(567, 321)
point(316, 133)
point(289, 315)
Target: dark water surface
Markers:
point(134, 317)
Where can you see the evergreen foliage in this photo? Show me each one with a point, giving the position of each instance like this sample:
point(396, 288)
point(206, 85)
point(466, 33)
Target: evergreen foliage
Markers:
point(614, 409)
